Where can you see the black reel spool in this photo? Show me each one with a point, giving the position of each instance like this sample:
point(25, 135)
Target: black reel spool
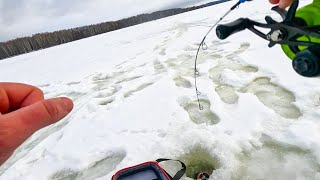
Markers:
point(307, 61)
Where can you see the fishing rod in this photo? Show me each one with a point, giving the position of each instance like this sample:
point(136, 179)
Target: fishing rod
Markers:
point(204, 47)
point(298, 34)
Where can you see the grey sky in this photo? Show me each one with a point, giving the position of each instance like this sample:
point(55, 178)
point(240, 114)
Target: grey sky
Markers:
point(20, 18)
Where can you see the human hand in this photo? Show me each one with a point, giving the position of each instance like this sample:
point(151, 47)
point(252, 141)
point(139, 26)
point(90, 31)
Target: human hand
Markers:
point(282, 3)
point(23, 111)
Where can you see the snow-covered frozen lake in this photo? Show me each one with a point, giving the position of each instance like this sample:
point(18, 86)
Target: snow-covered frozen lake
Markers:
point(135, 101)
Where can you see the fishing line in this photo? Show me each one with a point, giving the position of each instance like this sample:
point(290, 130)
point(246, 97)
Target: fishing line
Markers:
point(204, 46)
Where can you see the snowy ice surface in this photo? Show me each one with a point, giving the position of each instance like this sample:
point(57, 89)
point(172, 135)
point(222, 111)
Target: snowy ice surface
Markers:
point(135, 101)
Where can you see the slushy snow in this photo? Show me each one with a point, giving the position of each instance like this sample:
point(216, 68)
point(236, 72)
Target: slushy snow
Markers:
point(135, 101)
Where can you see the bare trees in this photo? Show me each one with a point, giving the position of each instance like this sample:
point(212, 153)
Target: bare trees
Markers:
point(46, 40)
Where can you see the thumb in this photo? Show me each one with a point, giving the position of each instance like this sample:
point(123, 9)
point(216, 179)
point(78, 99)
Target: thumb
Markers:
point(274, 1)
point(30, 119)
point(283, 4)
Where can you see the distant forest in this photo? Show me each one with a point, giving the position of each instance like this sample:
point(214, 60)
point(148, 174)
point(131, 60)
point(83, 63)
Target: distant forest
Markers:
point(45, 40)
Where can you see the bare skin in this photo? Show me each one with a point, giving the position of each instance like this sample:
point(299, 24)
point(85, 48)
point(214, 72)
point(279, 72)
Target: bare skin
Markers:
point(23, 111)
point(282, 3)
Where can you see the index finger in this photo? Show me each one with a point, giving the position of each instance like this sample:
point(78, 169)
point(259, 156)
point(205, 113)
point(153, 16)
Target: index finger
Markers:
point(15, 95)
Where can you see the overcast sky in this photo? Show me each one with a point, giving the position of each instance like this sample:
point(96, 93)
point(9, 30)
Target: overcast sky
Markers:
point(20, 18)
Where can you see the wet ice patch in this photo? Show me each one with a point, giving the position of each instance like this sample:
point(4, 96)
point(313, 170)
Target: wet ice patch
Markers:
point(201, 116)
point(275, 97)
point(278, 162)
point(65, 174)
point(183, 65)
point(97, 169)
point(182, 82)
point(243, 47)
point(249, 69)
point(227, 94)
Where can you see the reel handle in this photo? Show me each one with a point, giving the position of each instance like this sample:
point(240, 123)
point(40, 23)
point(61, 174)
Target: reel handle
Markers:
point(225, 30)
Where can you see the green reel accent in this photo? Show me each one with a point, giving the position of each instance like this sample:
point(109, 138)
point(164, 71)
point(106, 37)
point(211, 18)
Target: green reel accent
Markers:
point(311, 15)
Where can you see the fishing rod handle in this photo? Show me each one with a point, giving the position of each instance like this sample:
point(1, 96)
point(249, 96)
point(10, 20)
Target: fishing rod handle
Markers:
point(225, 30)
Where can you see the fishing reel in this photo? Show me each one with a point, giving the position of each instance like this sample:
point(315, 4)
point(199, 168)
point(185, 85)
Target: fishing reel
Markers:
point(203, 176)
point(298, 34)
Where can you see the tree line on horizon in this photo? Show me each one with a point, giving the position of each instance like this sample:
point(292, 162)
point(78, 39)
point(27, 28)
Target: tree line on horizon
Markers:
point(49, 39)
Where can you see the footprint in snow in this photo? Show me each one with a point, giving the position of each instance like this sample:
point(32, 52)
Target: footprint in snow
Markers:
point(216, 72)
point(101, 81)
point(182, 82)
point(73, 83)
point(110, 91)
point(96, 170)
point(64, 174)
point(105, 101)
point(106, 96)
point(218, 42)
point(183, 70)
point(163, 52)
point(156, 48)
point(278, 162)
point(199, 117)
point(185, 60)
point(227, 94)
point(190, 48)
point(275, 97)
point(243, 48)
point(127, 79)
point(139, 88)
point(271, 95)
point(158, 67)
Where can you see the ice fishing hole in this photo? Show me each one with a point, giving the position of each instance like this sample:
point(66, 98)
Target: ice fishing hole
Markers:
point(199, 160)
